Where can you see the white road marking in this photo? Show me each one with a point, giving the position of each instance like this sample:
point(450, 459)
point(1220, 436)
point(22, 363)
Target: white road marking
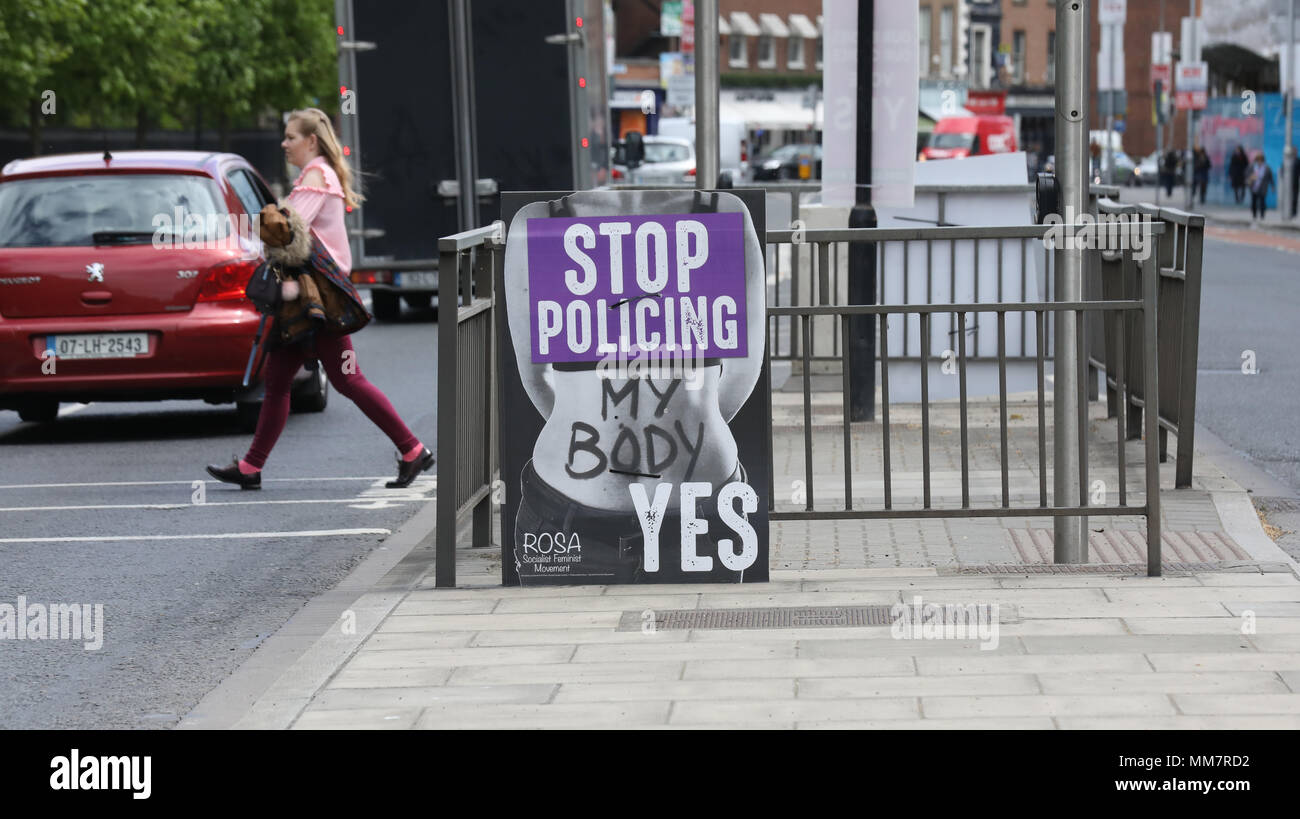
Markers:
point(187, 505)
point(69, 410)
point(222, 536)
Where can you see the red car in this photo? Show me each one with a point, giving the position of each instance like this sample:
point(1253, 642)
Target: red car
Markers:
point(122, 279)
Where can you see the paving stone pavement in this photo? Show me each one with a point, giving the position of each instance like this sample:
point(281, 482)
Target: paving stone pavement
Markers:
point(1213, 644)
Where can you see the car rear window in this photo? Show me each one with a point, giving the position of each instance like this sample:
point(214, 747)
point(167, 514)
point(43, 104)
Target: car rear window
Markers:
point(666, 152)
point(66, 211)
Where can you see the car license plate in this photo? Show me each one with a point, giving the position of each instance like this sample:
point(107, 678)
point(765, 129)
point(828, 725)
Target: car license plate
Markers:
point(420, 280)
point(99, 345)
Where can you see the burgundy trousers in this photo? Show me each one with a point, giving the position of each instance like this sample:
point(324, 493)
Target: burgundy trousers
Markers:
point(340, 362)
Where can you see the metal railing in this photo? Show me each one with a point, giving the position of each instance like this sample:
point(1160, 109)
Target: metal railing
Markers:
point(1178, 258)
point(1123, 333)
point(1131, 304)
point(467, 391)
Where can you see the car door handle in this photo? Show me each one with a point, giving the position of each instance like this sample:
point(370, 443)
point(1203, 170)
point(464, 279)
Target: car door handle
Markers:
point(96, 297)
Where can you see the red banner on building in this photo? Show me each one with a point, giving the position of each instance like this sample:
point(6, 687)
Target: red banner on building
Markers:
point(987, 102)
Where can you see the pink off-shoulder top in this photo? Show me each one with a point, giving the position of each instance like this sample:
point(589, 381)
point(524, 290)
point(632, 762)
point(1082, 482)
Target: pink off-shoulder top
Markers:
point(324, 210)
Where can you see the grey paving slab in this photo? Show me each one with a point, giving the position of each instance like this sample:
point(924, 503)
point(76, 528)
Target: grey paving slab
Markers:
point(1259, 704)
point(752, 669)
point(607, 715)
point(575, 636)
point(727, 712)
point(364, 719)
point(389, 677)
point(1241, 661)
point(678, 691)
point(1031, 664)
point(998, 724)
point(651, 651)
point(453, 657)
point(1211, 625)
point(920, 685)
point(1137, 644)
point(1196, 682)
point(423, 696)
point(565, 673)
point(1272, 722)
point(1046, 705)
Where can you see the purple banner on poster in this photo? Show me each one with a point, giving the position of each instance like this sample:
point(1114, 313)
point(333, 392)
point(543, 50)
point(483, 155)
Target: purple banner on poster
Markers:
point(670, 284)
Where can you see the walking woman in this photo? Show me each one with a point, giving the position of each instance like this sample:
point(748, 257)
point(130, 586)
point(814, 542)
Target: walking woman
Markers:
point(1260, 180)
point(318, 199)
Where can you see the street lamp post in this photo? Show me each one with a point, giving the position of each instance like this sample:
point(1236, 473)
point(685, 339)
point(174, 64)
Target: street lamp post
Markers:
point(1072, 26)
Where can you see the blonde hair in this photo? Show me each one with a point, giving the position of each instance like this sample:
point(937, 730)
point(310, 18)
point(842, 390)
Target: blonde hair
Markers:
point(315, 121)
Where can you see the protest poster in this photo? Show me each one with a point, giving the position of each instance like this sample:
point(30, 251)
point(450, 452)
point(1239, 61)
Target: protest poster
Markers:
point(634, 427)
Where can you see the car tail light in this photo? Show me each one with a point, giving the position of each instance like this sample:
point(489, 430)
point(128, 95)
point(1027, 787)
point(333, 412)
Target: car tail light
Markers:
point(616, 174)
point(226, 282)
point(372, 277)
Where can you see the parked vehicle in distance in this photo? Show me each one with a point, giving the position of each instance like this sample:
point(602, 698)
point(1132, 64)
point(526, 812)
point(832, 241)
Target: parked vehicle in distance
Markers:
point(1147, 171)
point(1124, 170)
point(122, 278)
point(787, 161)
point(958, 137)
point(668, 161)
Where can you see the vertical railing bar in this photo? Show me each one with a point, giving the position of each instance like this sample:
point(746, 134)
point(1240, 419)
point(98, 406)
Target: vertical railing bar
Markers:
point(961, 386)
point(807, 411)
point(906, 252)
point(1082, 378)
point(1151, 414)
point(1024, 296)
point(976, 299)
point(848, 443)
point(884, 398)
point(925, 406)
point(1002, 403)
point(1042, 410)
point(1121, 398)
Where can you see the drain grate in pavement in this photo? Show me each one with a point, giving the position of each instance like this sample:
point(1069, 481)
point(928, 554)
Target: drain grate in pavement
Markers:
point(1114, 568)
point(791, 617)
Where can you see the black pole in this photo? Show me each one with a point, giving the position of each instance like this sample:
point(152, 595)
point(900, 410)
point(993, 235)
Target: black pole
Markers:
point(862, 255)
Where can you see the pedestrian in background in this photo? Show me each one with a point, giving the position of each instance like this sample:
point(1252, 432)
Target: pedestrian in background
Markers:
point(1169, 171)
point(1260, 180)
point(1200, 172)
point(317, 203)
point(1237, 166)
point(1295, 186)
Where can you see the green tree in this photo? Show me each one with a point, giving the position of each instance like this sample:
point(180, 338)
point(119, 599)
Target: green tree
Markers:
point(33, 43)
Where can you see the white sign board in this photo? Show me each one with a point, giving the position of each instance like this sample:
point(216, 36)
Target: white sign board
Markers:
point(1191, 83)
point(1111, 56)
point(1162, 48)
point(895, 82)
point(1111, 12)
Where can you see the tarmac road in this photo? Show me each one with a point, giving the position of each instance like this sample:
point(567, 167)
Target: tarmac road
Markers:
point(99, 508)
point(1250, 301)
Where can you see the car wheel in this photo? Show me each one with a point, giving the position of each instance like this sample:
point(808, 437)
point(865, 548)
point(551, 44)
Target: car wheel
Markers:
point(418, 301)
point(40, 411)
point(248, 411)
point(313, 394)
point(388, 307)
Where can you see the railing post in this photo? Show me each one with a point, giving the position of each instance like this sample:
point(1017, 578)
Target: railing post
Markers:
point(448, 308)
point(1151, 409)
point(1191, 329)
